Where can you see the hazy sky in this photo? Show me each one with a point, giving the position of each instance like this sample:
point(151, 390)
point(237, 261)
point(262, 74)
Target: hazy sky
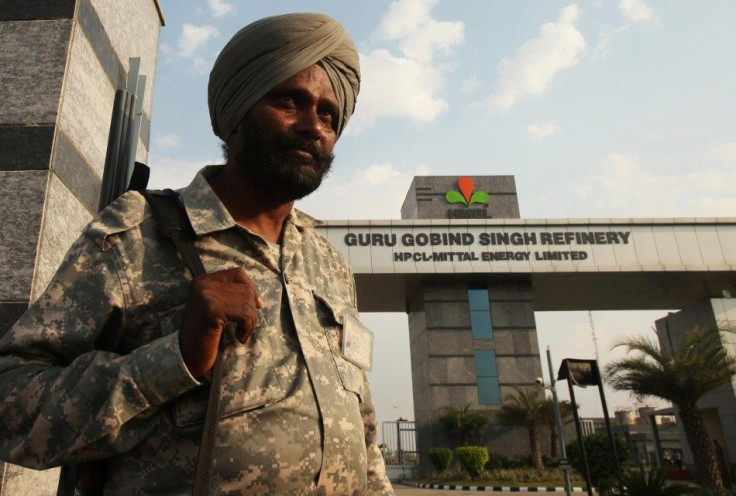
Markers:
point(603, 109)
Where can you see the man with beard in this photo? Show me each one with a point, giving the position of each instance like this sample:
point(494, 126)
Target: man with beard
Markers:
point(112, 361)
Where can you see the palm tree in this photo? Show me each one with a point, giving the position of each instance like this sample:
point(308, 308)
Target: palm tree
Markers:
point(463, 422)
point(693, 365)
point(526, 408)
point(551, 422)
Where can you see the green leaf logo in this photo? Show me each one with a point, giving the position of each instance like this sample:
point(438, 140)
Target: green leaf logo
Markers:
point(455, 197)
point(466, 195)
point(479, 197)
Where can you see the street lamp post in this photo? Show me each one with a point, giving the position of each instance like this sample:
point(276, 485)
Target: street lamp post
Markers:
point(564, 463)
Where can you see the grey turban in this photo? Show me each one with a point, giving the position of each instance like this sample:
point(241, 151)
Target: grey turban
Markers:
point(269, 51)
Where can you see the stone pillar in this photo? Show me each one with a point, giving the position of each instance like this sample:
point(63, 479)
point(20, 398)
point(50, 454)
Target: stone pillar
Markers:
point(718, 406)
point(60, 65)
point(444, 351)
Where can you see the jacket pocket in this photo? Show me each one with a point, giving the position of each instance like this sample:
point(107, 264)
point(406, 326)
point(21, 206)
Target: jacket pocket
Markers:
point(331, 314)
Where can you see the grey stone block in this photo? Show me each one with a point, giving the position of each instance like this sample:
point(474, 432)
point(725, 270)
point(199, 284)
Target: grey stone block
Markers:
point(440, 396)
point(95, 32)
point(75, 172)
point(513, 314)
point(504, 206)
point(526, 342)
point(448, 315)
point(460, 370)
point(64, 219)
point(518, 370)
point(516, 342)
point(518, 289)
point(449, 291)
point(25, 147)
point(32, 64)
point(438, 371)
point(464, 395)
point(86, 108)
point(21, 206)
point(503, 341)
point(449, 343)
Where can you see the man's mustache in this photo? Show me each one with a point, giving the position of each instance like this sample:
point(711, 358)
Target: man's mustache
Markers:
point(303, 144)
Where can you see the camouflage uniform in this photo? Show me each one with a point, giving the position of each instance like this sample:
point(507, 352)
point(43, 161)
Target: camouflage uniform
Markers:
point(94, 370)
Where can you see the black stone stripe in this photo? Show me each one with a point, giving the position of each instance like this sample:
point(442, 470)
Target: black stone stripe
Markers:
point(36, 10)
point(25, 147)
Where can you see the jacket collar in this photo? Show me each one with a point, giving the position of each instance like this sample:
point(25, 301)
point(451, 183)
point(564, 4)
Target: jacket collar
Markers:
point(207, 214)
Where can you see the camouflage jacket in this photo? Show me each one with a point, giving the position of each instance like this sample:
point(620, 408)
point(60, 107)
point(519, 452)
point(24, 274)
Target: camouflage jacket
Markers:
point(93, 369)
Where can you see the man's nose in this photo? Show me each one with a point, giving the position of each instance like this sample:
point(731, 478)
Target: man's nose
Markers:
point(311, 124)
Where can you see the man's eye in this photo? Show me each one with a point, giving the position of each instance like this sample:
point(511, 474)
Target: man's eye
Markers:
point(327, 116)
point(286, 101)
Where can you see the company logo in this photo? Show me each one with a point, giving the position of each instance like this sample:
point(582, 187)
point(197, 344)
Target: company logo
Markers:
point(466, 195)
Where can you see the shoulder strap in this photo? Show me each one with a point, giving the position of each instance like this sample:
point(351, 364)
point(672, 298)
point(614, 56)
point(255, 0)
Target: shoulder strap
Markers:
point(169, 211)
point(170, 214)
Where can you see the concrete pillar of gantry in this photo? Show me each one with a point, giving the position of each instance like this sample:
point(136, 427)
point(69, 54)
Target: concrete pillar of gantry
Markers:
point(443, 358)
point(60, 65)
point(718, 406)
point(443, 350)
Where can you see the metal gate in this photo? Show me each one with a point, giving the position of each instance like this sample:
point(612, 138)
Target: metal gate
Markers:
point(399, 445)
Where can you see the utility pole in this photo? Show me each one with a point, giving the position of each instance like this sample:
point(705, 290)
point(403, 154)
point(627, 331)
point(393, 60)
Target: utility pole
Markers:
point(564, 462)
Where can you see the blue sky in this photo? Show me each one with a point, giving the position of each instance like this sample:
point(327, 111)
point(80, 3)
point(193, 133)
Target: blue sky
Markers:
point(604, 109)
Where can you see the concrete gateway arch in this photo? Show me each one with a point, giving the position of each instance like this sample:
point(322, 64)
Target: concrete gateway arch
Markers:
point(470, 273)
point(462, 264)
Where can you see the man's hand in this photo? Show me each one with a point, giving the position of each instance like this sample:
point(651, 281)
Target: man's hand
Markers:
point(214, 300)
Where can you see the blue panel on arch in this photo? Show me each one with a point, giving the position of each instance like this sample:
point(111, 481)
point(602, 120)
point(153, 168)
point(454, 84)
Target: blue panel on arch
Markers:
point(489, 393)
point(480, 323)
point(485, 363)
point(478, 299)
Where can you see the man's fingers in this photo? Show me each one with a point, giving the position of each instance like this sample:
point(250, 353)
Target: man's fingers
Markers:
point(235, 275)
point(214, 301)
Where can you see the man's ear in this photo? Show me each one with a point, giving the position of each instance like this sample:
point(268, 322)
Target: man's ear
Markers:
point(234, 143)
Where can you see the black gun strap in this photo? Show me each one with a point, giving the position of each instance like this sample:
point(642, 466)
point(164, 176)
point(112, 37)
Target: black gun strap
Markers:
point(172, 219)
point(174, 224)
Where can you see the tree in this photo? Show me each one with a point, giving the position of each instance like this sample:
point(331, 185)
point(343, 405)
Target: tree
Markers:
point(526, 408)
point(463, 422)
point(691, 366)
point(551, 422)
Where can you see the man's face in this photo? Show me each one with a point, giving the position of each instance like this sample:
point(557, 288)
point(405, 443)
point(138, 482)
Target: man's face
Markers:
point(287, 137)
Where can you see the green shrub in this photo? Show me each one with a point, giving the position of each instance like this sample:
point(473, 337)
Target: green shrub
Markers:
point(440, 458)
point(472, 459)
point(641, 482)
point(601, 462)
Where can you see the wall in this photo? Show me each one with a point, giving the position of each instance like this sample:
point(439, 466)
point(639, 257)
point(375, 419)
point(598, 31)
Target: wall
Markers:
point(60, 65)
point(718, 406)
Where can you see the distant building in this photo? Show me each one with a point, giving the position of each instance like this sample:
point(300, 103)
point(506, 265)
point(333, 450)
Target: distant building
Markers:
point(636, 428)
